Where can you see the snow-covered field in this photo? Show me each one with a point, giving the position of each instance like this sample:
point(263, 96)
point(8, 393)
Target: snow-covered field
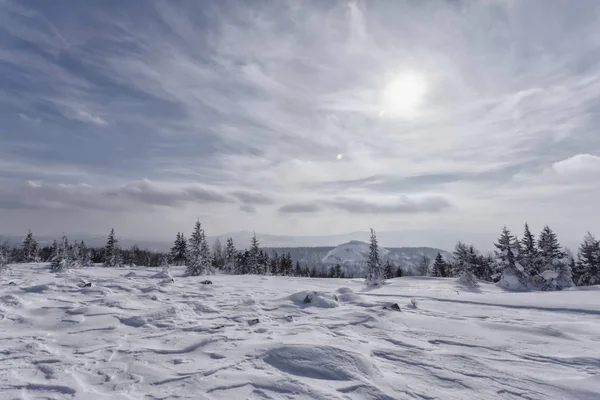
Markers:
point(134, 335)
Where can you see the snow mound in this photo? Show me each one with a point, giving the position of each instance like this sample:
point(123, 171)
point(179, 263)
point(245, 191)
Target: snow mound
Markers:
point(512, 283)
point(468, 280)
point(315, 299)
point(11, 301)
point(346, 295)
point(131, 275)
point(319, 362)
point(164, 274)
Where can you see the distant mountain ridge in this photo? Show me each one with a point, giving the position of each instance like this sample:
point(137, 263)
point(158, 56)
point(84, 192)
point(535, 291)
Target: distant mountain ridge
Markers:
point(387, 239)
point(352, 256)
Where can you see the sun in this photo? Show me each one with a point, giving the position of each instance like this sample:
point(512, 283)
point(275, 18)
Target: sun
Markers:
point(404, 94)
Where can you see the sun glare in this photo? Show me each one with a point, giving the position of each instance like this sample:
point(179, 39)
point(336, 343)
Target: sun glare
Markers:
point(404, 94)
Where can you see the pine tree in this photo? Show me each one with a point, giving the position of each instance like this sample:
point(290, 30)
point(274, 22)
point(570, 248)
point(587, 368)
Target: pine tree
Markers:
point(3, 258)
point(529, 253)
point(62, 259)
point(263, 263)
point(218, 256)
point(74, 255)
point(331, 273)
point(485, 267)
point(112, 252)
point(198, 253)
point(588, 262)
point(84, 256)
point(230, 257)
point(423, 266)
point(254, 266)
point(552, 262)
point(506, 264)
point(286, 265)
point(464, 263)
point(338, 271)
point(388, 271)
point(399, 272)
point(241, 264)
point(179, 250)
point(30, 249)
point(374, 271)
point(439, 266)
point(298, 271)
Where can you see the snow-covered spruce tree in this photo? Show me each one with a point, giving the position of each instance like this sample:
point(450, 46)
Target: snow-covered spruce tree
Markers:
point(399, 272)
point(230, 254)
point(439, 266)
point(62, 258)
point(218, 256)
point(3, 258)
point(464, 266)
point(179, 250)
point(73, 255)
point(338, 271)
point(388, 270)
point(241, 262)
point(29, 251)
point(512, 274)
point(423, 266)
point(554, 270)
point(298, 270)
point(528, 256)
point(84, 255)
point(112, 252)
point(198, 253)
point(253, 261)
point(374, 271)
point(587, 270)
point(287, 265)
point(263, 263)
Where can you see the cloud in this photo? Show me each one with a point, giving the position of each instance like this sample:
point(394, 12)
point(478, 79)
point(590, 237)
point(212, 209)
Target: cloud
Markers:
point(242, 105)
point(404, 205)
point(579, 164)
point(150, 193)
point(132, 195)
point(248, 208)
point(36, 195)
point(252, 198)
point(85, 116)
point(300, 208)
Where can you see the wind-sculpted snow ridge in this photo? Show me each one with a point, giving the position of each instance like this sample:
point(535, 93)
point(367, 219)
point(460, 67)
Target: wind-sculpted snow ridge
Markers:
point(130, 335)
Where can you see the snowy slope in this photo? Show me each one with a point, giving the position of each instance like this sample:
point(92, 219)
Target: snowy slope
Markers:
point(138, 335)
point(353, 252)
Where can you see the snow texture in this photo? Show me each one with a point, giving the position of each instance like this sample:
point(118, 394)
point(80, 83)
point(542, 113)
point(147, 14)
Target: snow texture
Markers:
point(254, 337)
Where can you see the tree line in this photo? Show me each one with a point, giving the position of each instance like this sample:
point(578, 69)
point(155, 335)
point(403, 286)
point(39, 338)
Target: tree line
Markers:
point(527, 263)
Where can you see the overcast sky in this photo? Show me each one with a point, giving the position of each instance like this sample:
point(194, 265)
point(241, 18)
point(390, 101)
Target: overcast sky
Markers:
point(300, 117)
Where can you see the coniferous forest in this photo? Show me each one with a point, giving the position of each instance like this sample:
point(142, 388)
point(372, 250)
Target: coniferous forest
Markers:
point(527, 263)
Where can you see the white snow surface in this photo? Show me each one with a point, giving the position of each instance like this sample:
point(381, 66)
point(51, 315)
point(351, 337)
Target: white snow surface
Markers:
point(133, 336)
